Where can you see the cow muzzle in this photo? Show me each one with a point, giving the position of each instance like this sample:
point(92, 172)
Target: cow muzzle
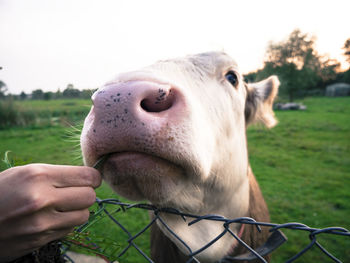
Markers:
point(134, 124)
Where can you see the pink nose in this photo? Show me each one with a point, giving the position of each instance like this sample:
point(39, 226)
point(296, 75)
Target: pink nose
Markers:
point(124, 112)
point(134, 97)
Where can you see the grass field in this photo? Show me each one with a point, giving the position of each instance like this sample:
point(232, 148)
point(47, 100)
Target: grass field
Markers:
point(57, 107)
point(42, 112)
point(302, 165)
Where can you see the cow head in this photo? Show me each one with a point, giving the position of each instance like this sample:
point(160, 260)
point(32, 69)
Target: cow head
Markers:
point(175, 133)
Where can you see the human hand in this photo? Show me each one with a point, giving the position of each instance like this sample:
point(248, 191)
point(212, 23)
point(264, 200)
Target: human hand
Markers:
point(40, 203)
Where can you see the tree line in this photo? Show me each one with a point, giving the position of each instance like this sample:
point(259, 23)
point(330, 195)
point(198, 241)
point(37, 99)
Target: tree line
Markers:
point(300, 68)
point(39, 94)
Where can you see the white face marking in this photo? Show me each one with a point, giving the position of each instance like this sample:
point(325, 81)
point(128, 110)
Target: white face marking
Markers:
point(177, 133)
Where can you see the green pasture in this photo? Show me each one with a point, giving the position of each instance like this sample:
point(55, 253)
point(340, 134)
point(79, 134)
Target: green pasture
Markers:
point(42, 112)
point(59, 106)
point(302, 165)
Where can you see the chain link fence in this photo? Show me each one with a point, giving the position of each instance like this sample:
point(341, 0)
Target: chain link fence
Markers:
point(276, 239)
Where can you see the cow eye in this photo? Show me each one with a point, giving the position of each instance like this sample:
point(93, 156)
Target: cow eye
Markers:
point(232, 78)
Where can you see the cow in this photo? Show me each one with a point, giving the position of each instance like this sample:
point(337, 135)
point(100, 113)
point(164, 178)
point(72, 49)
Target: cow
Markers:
point(175, 135)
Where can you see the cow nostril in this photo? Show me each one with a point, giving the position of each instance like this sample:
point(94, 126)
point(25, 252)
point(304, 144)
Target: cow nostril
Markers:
point(158, 103)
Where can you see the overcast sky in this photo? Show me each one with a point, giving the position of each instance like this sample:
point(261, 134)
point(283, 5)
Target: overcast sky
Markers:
point(46, 44)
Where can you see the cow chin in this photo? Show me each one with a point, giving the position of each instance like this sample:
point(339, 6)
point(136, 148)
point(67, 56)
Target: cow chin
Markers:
point(138, 176)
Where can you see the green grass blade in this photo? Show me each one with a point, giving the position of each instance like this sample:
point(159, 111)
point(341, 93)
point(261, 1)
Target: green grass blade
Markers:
point(7, 161)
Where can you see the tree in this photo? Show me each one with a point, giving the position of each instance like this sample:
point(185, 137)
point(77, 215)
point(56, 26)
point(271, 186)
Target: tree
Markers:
point(37, 94)
point(23, 95)
point(58, 94)
point(71, 92)
point(347, 50)
point(297, 49)
point(328, 70)
point(48, 95)
point(86, 93)
point(3, 89)
point(293, 60)
point(298, 65)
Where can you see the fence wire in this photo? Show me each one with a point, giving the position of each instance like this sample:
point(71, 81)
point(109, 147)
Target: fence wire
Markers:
point(275, 240)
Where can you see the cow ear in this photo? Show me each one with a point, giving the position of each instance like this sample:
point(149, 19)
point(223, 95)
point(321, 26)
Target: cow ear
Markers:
point(259, 102)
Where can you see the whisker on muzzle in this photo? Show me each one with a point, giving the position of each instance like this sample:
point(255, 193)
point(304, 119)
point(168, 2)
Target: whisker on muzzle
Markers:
point(99, 163)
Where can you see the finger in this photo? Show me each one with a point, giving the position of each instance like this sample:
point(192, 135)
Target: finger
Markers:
point(74, 198)
point(68, 176)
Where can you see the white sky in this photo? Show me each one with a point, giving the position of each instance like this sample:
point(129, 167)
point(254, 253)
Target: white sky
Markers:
point(47, 44)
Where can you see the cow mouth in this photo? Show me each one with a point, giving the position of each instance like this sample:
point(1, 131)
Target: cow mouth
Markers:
point(139, 176)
